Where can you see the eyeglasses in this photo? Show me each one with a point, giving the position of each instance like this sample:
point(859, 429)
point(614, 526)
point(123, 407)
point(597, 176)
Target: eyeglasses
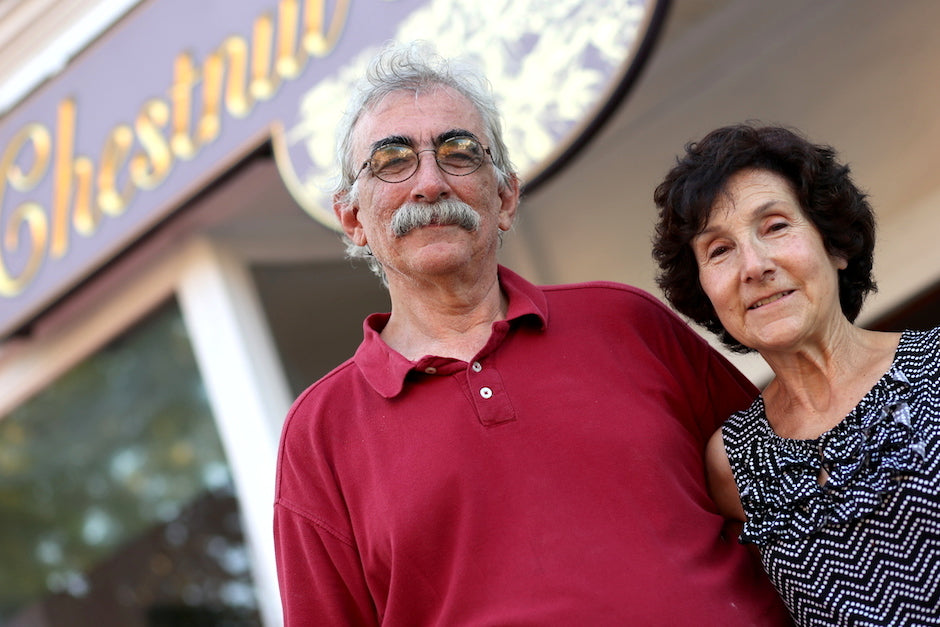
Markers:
point(394, 163)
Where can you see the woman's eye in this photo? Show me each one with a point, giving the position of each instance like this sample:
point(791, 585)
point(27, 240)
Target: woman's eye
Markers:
point(777, 226)
point(717, 251)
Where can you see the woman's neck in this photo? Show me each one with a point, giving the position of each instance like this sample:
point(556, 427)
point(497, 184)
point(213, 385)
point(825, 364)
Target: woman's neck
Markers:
point(815, 388)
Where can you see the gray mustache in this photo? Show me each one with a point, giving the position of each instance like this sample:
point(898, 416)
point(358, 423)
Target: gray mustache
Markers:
point(413, 215)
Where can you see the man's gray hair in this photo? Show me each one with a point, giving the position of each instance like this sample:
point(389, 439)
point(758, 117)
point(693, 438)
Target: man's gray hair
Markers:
point(413, 67)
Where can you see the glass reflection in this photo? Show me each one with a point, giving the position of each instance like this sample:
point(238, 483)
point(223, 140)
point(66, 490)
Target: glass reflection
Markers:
point(116, 501)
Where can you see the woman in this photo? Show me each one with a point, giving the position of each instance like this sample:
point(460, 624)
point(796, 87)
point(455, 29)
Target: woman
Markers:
point(764, 239)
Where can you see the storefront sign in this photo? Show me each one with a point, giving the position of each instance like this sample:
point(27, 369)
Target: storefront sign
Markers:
point(179, 91)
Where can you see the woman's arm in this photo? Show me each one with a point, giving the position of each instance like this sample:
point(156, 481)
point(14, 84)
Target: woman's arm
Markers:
point(721, 484)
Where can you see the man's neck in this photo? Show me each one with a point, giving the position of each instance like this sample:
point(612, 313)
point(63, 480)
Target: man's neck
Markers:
point(444, 321)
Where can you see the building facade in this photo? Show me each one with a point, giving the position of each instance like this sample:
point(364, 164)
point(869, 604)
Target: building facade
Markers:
point(170, 281)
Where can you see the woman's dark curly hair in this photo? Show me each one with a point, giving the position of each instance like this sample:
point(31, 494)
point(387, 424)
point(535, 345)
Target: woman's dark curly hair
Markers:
point(826, 193)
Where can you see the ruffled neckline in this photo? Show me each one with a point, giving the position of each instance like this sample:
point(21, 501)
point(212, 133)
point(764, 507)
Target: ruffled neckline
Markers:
point(865, 457)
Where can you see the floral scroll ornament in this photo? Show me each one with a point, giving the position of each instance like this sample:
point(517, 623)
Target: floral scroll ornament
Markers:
point(554, 65)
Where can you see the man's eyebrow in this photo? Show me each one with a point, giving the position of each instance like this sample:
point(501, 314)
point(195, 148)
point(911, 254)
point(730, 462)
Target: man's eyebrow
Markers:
point(391, 139)
point(452, 133)
point(407, 141)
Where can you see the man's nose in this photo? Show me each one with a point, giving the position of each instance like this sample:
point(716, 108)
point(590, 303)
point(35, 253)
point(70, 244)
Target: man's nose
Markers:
point(429, 182)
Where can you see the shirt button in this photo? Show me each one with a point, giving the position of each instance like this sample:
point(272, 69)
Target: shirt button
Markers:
point(486, 392)
point(477, 367)
point(430, 370)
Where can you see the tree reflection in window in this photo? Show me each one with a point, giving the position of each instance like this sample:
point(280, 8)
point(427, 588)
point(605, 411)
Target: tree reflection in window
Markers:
point(116, 501)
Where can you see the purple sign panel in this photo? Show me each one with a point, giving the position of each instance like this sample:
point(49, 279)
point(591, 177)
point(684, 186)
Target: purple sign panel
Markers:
point(179, 91)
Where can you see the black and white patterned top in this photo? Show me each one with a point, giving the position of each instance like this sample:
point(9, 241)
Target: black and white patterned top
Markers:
point(862, 549)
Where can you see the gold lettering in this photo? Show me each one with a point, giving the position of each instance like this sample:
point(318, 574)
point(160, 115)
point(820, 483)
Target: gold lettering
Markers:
point(185, 77)
point(150, 167)
point(264, 82)
point(290, 61)
point(38, 136)
point(235, 77)
point(316, 42)
point(237, 100)
point(34, 218)
point(114, 156)
point(87, 215)
point(30, 215)
point(70, 173)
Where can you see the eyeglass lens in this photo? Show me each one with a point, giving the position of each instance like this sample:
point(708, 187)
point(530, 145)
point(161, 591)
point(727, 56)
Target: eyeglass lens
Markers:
point(395, 163)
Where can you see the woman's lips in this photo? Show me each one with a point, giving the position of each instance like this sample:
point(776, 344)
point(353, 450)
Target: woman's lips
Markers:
point(770, 299)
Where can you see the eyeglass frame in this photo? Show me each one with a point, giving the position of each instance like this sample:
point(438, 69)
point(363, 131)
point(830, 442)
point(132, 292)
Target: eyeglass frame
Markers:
point(368, 162)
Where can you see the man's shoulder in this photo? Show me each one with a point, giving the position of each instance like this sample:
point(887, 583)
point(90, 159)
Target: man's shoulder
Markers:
point(629, 311)
point(340, 382)
point(324, 410)
point(612, 292)
point(596, 289)
point(341, 377)
point(600, 286)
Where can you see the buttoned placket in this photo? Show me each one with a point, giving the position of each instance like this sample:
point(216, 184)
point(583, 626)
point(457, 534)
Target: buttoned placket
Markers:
point(489, 395)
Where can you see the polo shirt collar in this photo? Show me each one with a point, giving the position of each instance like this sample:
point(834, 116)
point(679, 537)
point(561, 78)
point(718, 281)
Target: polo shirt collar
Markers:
point(386, 369)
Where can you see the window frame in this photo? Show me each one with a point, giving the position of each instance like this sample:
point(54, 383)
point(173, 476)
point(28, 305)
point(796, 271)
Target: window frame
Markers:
point(235, 354)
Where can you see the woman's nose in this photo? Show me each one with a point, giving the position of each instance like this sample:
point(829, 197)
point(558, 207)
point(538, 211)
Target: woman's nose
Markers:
point(756, 264)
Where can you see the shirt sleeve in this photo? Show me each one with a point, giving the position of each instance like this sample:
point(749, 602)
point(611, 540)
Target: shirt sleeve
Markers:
point(729, 391)
point(321, 578)
point(319, 573)
point(715, 389)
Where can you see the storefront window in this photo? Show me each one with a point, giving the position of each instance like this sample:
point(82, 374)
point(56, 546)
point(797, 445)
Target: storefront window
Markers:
point(116, 501)
point(315, 313)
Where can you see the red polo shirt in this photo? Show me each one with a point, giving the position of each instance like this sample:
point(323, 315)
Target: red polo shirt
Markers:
point(557, 479)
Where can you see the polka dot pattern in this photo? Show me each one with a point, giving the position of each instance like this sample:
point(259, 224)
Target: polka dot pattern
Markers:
point(863, 548)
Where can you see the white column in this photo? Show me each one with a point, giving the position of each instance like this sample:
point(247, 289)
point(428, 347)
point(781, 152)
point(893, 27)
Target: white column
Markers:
point(247, 390)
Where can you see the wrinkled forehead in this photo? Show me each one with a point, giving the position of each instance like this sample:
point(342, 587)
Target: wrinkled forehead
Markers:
point(420, 117)
point(747, 188)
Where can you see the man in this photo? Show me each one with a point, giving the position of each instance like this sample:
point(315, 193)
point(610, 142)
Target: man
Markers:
point(497, 453)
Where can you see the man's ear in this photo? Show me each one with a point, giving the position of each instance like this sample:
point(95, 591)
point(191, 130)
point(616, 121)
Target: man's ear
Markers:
point(347, 213)
point(509, 195)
